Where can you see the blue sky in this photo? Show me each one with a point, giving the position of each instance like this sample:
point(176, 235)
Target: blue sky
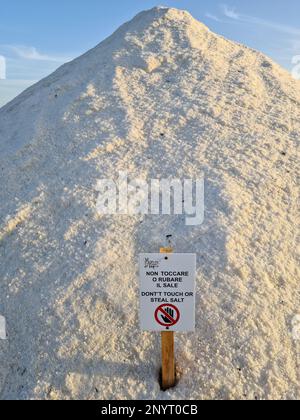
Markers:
point(37, 36)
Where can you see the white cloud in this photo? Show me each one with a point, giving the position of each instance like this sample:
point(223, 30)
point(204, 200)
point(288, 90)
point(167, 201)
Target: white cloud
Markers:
point(31, 53)
point(232, 14)
point(213, 17)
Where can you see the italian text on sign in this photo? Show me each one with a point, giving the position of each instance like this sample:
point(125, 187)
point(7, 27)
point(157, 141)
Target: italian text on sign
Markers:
point(167, 292)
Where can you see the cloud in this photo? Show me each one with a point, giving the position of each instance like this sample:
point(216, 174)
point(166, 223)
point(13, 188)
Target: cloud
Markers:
point(31, 53)
point(232, 14)
point(27, 63)
point(213, 17)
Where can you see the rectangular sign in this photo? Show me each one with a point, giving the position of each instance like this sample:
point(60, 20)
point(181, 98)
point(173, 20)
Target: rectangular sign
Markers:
point(167, 292)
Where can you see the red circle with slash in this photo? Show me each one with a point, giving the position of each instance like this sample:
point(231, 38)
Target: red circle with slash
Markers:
point(162, 311)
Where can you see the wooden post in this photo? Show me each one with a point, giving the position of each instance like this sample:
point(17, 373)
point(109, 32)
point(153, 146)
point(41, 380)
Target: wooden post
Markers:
point(168, 374)
point(168, 371)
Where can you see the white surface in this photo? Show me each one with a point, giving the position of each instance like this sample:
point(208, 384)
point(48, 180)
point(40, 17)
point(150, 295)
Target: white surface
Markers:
point(156, 291)
point(69, 278)
point(2, 328)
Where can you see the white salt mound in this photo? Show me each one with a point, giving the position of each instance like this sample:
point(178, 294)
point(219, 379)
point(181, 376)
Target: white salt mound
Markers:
point(69, 277)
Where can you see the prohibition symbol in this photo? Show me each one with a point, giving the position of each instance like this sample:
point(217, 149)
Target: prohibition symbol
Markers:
point(167, 315)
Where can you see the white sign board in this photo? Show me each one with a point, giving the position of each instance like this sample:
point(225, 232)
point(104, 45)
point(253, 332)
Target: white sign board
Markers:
point(167, 292)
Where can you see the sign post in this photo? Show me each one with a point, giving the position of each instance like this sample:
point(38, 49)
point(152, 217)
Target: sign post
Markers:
point(168, 364)
point(167, 301)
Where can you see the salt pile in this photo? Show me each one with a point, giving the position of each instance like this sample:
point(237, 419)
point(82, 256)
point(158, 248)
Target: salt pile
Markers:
point(162, 97)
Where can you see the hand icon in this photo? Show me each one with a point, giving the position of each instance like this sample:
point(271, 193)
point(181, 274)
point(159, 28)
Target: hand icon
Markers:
point(170, 312)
